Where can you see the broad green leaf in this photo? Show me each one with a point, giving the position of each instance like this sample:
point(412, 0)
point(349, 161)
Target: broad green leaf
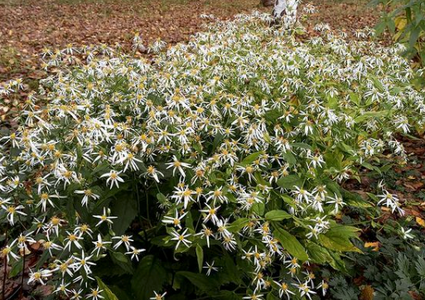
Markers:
point(290, 181)
point(259, 208)
point(251, 158)
point(302, 146)
point(189, 220)
point(338, 238)
point(199, 257)
point(277, 215)
point(370, 115)
point(124, 208)
point(228, 295)
point(201, 281)
point(16, 268)
point(121, 260)
point(148, 277)
point(107, 293)
point(355, 98)
point(334, 159)
point(289, 157)
point(354, 199)
point(161, 197)
point(290, 243)
point(238, 225)
point(318, 254)
point(120, 292)
point(337, 263)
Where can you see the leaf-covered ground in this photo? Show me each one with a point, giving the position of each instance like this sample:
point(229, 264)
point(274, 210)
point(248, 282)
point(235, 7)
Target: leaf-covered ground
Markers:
point(28, 26)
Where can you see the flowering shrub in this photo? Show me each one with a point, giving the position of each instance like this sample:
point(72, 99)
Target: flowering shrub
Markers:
point(214, 171)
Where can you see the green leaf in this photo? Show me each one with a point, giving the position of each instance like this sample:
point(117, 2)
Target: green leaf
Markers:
point(355, 98)
point(271, 296)
point(200, 257)
point(334, 159)
point(302, 146)
point(107, 293)
point(124, 208)
point(149, 277)
point(121, 260)
point(229, 272)
point(259, 208)
point(201, 281)
point(161, 198)
point(354, 199)
point(119, 292)
point(420, 267)
point(318, 254)
point(238, 225)
point(288, 182)
point(290, 243)
point(277, 215)
point(338, 238)
point(337, 263)
point(414, 35)
point(251, 158)
point(16, 268)
point(370, 115)
point(189, 221)
point(230, 269)
point(228, 295)
point(290, 158)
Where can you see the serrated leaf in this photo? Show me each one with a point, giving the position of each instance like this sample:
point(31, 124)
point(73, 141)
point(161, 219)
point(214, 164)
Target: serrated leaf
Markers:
point(290, 243)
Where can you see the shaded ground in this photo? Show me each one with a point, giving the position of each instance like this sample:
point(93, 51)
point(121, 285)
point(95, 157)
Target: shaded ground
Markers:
point(27, 26)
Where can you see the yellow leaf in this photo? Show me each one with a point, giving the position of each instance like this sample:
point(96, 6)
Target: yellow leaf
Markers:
point(400, 22)
point(367, 293)
point(373, 245)
point(420, 221)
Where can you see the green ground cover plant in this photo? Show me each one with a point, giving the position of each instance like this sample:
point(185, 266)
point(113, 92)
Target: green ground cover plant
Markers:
point(215, 171)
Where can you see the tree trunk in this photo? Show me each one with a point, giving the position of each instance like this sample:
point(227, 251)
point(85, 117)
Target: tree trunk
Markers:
point(267, 3)
point(285, 11)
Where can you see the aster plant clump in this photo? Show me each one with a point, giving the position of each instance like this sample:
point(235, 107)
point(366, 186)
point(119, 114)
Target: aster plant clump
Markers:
point(214, 171)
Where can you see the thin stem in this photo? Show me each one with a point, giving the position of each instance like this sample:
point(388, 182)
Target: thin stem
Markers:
point(22, 277)
point(4, 278)
point(5, 266)
point(147, 208)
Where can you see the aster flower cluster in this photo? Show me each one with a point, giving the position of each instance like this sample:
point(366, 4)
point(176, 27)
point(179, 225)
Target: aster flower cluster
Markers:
point(237, 140)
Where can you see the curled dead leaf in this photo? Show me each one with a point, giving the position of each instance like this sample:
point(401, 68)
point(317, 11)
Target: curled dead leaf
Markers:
point(373, 245)
point(420, 221)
